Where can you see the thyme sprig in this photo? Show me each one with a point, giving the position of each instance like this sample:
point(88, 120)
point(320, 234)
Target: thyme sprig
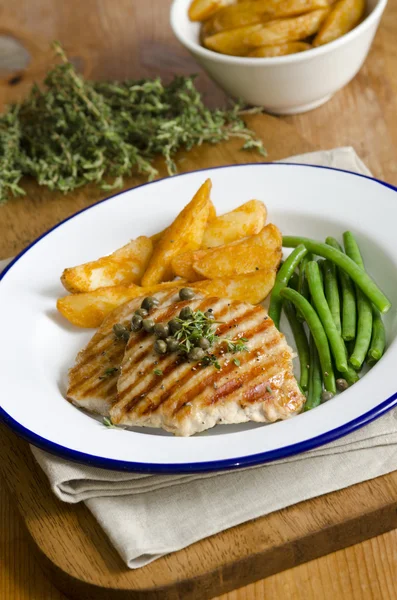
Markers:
point(71, 132)
point(236, 346)
point(198, 326)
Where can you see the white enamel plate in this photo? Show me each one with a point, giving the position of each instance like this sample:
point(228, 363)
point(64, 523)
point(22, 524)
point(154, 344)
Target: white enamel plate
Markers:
point(38, 345)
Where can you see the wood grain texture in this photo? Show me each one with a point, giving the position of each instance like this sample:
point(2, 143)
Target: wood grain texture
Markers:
point(128, 38)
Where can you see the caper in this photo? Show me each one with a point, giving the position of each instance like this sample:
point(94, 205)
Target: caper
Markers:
point(185, 313)
point(194, 337)
point(342, 384)
point(136, 323)
point(174, 325)
point(141, 312)
point(149, 302)
point(203, 343)
point(186, 294)
point(148, 325)
point(196, 354)
point(209, 315)
point(125, 336)
point(325, 396)
point(119, 330)
point(161, 330)
point(172, 344)
point(160, 346)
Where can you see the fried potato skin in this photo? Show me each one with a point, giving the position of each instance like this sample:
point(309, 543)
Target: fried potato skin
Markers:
point(257, 11)
point(234, 16)
point(199, 10)
point(282, 31)
point(257, 252)
point(247, 219)
point(185, 233)
point(279, 50)
point(250, 287)
point(182, 265)
point(344, 16)
point(123, 267)
point(90, 308)
point(211, 216)
point(235, 42)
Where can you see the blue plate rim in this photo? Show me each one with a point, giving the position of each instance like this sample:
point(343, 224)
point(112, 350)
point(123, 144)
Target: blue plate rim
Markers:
point(207, 466)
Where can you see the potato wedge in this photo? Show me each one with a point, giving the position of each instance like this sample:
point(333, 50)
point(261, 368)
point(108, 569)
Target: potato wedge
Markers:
point(279, 50)
point(257, 11)
point(344, 15)
point(90, 308)
point(211, 215)
point(185, 233)
point(156, 237)
point(182, 265)
point(235, 42)
point(235, 15)
point(123, 267)
point(250, 287)
point(287, 30)
point(247, 219)
point(199, 10)
point(212, 211)
point(261, 251)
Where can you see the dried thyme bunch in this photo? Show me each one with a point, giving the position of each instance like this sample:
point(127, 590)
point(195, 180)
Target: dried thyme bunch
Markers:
point(72, 131)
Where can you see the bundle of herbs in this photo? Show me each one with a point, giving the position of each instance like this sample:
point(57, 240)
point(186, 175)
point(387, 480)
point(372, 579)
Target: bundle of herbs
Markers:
point(72, 131)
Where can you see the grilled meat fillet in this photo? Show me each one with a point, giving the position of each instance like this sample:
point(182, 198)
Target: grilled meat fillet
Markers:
point(184, 398)
point(93, 379)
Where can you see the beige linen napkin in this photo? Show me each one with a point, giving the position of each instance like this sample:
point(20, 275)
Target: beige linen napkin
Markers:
point(147, 516)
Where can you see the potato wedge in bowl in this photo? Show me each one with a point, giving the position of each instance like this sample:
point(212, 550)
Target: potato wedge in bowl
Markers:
point(252, 27)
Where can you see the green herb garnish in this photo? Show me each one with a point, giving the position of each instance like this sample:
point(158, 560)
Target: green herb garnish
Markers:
point(198, 326)
point(158, 372)
point(211, 359)
point(236, 362)
point(237, 346)
point(70, 131)
point(107, 422)
point(108, 372)
point(269, 389)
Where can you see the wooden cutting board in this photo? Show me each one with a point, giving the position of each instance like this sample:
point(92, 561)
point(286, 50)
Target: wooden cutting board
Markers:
point(69, 542)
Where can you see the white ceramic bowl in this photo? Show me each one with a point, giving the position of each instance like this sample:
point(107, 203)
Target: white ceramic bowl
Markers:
point(286, 84)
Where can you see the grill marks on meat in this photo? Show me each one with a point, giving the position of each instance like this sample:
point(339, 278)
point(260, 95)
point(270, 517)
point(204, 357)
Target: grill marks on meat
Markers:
point(187, 398)
point(89, 387)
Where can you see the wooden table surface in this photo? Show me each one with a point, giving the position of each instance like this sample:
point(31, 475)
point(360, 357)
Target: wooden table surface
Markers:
point(132, 38)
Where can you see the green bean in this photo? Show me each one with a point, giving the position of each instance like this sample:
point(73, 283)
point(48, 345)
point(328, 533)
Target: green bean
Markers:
point(303, 286)
point(301, 343)
point(315, 381)
point(364, 331)
point(351, 248)
point(323, 311)
point(360, 277)
point(349, 309)
point(350, 375)
point(364, 307)
point(293, 282)
point(318, 333)
point(331, 241)
point(282, 279)
point(378, 340)
point(332, 292)
point(320, 264)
